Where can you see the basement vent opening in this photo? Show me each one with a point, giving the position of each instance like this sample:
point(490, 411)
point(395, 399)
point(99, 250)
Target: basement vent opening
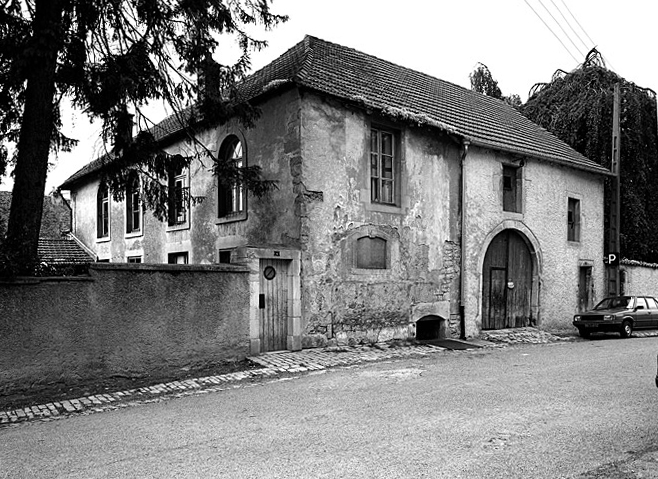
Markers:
point(428, 328)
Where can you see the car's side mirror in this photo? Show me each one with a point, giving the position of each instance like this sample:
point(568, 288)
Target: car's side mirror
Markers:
point(639, 307)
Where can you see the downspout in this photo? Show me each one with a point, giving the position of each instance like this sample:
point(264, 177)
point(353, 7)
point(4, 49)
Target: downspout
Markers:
point(462, 228)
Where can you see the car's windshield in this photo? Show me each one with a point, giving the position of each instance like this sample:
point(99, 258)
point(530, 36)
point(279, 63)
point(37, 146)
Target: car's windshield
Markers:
point(621, 302)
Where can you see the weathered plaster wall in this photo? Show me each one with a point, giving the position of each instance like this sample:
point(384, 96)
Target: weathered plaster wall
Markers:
point(317, 150)
point(131, 320)
point(351, 304)
point(273, 144)
point(543, 220)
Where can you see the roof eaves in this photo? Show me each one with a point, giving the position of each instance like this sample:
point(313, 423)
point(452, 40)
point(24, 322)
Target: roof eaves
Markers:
point(590, 167)
point(400, 114)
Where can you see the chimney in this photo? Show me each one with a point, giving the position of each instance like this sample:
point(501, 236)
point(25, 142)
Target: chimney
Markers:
point(208, 78)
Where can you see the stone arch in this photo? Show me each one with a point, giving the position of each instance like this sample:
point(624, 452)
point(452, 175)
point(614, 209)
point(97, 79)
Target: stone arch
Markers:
point(430, 327)
point(520, 235)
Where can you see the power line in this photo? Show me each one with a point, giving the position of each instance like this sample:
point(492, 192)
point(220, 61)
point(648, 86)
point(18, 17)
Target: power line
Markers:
point(607, 62)
point(551, 30)
point(560, 25)
point(571, 26)
point(577, 22)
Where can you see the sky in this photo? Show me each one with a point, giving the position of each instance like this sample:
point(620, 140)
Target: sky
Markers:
point(522, 42)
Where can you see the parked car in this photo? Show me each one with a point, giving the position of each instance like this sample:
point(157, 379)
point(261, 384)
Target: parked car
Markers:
point(621, 314)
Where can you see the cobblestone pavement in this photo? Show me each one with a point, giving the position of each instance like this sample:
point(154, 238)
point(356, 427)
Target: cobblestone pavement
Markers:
point(273, 365)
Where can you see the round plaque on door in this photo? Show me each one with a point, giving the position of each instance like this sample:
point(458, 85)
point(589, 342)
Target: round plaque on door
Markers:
point(269, 273)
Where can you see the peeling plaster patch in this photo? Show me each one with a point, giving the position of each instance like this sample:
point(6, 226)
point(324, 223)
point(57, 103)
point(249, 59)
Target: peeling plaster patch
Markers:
point(304, 195)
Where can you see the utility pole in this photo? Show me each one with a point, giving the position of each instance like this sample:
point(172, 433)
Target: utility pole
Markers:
point(615, 202)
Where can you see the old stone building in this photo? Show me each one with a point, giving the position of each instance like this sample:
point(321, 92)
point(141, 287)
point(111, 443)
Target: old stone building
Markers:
point(406, 206)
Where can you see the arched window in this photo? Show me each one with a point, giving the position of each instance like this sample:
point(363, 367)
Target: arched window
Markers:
point(371, 253)
point(232, 197)
point(103, 212)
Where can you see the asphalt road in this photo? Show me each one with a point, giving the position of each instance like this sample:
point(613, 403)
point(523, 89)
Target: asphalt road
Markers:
point(534, 411)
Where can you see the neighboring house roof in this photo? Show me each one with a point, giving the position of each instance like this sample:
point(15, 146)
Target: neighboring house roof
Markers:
point(62, 251)
point(400, 92)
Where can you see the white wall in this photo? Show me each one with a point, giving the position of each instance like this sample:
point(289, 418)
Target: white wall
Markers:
point(545, 189)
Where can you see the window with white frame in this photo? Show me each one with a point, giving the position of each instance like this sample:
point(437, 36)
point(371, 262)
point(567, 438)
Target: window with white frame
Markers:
point(133, 207)
point(103, 212)
point(231, 201)
point(384, 165)
point(178, 197)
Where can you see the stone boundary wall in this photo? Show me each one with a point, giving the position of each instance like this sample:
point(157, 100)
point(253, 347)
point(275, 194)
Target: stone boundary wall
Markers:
point(639, 278)
point(121, 320)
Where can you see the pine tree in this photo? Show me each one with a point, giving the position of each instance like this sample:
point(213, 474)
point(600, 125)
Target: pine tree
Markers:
point(110, 58)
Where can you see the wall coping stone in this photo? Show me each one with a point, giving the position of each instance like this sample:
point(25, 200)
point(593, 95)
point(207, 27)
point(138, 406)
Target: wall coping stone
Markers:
point(210, 268)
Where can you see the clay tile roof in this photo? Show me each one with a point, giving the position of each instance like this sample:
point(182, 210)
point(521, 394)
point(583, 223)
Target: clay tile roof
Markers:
point(400, 92)
point(62, 251)
point(420, 98)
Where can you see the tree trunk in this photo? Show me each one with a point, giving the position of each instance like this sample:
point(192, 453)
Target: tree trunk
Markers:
point(20, 247)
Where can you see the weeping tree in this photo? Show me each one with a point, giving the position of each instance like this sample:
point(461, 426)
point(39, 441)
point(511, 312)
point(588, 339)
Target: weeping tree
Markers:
point(577, 107)
point(109, 59)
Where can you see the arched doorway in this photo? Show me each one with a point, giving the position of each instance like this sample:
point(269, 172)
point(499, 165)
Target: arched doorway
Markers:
point(507, 282)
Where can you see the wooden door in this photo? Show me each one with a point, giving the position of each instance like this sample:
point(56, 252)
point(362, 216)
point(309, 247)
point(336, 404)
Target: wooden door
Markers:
point(519, 281)
point(507, 283)
point(498, 298)
point(585, 289)
point(273, 304)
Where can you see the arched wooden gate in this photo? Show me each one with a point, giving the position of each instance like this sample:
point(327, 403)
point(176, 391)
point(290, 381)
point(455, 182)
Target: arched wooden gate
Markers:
point(507, 282)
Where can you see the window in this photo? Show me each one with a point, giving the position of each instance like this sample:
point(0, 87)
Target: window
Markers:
point(232, 198)
point(177, 258)
point(371, 253)
point(511, 189)
point(134, 259)
point(103, 212)
point(133, 208)
point(573, 219)
point(225, 256)
point(383, 167)
point(178, 197)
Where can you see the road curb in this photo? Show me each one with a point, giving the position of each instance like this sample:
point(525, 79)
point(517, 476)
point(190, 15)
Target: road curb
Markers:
point(272, 365)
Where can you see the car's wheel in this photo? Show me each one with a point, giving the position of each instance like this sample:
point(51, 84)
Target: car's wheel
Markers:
point(626, 329)
point(584, 333)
